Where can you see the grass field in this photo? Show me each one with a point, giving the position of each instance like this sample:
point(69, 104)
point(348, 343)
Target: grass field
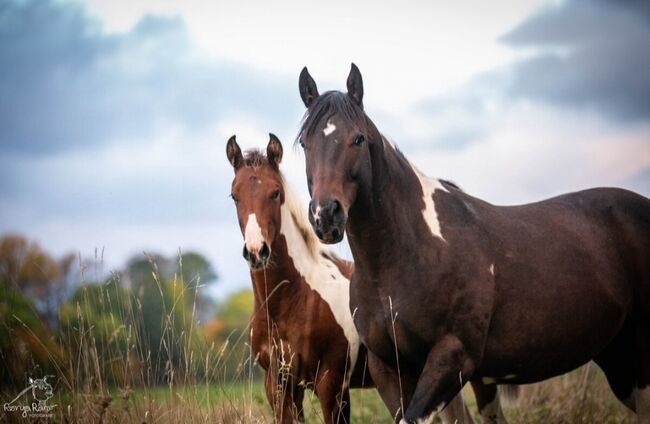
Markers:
point(106, 377)
point(579, 397)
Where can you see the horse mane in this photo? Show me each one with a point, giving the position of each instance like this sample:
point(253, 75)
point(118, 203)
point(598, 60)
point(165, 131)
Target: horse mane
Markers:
point(329, 104)
point(299, 218)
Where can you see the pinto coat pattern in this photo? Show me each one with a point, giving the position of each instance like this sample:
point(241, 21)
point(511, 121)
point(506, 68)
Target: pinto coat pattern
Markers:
point(449, 288)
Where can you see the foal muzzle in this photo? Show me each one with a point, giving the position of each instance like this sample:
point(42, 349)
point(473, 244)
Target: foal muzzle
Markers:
point(328, 220)
point(257, 259)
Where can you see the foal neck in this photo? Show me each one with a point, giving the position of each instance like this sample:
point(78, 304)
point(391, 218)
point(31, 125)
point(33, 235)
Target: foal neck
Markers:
point(295, 249)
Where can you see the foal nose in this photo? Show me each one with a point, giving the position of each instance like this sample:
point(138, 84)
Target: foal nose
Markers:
point(257, 258)
point(327, 220)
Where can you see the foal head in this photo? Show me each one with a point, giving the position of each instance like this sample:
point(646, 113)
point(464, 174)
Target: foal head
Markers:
point(336, 136)
point(258, 193)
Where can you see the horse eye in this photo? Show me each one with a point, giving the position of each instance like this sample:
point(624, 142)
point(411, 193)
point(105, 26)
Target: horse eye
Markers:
point(235, 198)
point(275, 195)
point(302, 144)
point(359, 140)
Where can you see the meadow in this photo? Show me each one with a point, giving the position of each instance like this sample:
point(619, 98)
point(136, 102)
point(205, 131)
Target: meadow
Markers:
point(138, 347)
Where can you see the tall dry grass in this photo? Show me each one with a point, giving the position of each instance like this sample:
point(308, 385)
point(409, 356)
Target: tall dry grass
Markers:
point(110, 376)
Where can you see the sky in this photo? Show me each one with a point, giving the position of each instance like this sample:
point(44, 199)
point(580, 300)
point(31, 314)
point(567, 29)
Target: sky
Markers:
point(114, 115)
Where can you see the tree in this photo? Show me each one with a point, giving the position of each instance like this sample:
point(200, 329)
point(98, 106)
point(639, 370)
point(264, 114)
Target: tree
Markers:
point(96, 321)
point(229, 328)
point(26, 345)
point(39, 277)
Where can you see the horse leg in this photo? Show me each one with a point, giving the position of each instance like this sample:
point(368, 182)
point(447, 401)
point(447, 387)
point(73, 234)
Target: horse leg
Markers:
point(394, 389)
point(447, 368)
point(285, 397)
point(487, 400)
point(456, 412)
point(334, 399)
point(617, 361)
point(642, 390)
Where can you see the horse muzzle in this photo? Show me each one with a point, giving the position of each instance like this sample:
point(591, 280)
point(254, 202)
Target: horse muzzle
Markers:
point(259, 258)
point(328, 220)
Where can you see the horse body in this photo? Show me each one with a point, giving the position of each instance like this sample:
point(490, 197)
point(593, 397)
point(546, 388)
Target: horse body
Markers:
point(449, 288)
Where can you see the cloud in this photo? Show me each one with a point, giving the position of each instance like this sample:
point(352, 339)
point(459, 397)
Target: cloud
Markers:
point(66, 84)
point(591, 55)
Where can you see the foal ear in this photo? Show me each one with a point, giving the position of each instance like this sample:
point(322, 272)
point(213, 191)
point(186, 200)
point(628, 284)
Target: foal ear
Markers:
point(274, 151)
point(307, 87)
point(234, 153)
point(355, 85)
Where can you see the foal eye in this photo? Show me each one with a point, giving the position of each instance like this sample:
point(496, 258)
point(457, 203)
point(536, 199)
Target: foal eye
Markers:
point(275, 195)
point(359, 140)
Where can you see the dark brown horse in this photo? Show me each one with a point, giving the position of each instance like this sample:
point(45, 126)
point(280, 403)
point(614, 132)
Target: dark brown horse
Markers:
point(302, 329)
point(449, 288)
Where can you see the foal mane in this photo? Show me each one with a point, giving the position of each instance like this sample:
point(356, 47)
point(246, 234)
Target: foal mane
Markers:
point(299, 218)
point(329, 104)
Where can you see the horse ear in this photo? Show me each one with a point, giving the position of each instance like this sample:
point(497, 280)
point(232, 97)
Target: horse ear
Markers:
point(234, 153)
point(355, 85)
point(274, 151)
point(307, 87)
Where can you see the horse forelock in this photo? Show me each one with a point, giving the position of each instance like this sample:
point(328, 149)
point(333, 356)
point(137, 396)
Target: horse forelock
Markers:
point(329, 104)
point(255, 158)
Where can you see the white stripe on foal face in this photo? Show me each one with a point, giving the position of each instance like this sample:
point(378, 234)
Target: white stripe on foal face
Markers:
point(253, 234)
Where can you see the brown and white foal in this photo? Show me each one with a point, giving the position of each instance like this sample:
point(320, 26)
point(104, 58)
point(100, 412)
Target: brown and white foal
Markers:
point(301, 331)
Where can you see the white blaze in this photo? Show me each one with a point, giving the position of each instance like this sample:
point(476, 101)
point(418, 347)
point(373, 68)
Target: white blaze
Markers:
point(253, 234)
point(329, 129)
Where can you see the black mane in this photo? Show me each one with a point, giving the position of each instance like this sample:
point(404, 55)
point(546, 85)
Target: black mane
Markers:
point(329, 104)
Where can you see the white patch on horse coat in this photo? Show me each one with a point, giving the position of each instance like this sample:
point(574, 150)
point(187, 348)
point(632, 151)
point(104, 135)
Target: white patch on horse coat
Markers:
point(253, 234)
point(429, 419)
point(329, 128)
point(492, 269)
point(429, 186)
point(318, 271)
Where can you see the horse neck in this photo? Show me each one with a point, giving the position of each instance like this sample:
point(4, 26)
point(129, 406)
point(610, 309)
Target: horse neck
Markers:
point(280, 283)
point(275, 286)
point(378, 224)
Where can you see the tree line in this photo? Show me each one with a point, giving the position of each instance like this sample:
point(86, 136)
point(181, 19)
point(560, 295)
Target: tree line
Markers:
point(149, 323)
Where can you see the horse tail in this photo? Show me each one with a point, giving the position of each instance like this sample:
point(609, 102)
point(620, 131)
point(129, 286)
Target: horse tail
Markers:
point(509, 392)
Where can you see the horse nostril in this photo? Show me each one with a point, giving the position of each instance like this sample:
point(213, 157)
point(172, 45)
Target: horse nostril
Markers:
point(336, 205)
point(335, 233)
point(246, 253)
point(265, 252)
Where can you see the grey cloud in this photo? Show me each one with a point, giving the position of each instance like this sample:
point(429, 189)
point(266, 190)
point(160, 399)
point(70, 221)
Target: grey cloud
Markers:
point(592, 55)
point(66, 84)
